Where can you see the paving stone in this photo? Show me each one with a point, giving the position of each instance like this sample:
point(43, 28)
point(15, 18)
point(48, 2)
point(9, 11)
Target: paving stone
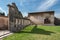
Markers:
point(4, 33)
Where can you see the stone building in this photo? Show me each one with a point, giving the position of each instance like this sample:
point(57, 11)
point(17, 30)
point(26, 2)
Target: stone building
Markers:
point(42, 18)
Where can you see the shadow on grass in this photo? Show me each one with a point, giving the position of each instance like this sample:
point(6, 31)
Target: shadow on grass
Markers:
point(36, 30)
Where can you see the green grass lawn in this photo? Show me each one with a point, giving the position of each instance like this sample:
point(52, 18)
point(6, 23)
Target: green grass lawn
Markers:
point(36, 33)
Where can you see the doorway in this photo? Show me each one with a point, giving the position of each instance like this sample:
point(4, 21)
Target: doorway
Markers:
point(47, 21)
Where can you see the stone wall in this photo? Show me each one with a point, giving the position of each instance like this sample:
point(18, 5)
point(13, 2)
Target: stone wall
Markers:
point(16, 20)
point(3, 22)
point(50, 16)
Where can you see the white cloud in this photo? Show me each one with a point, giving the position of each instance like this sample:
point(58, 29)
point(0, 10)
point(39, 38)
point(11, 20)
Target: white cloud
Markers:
point(2, 10)
point(47, 4)
point(57, 15)
point(22, 2)
point(24, 14)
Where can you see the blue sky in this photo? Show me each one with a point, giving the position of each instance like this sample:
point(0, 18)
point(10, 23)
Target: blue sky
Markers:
point(26, 6)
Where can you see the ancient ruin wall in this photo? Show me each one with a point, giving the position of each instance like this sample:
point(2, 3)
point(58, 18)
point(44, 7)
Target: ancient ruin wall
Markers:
point(16, 20)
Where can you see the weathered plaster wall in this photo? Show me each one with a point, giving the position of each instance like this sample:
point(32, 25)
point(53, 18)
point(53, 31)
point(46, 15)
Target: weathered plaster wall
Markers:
point(3, 22)
point(51, 17)
point(38, 18)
